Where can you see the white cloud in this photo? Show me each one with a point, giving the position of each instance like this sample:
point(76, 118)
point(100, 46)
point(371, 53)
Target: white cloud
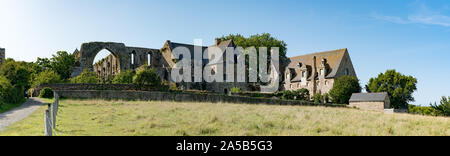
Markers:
point(392, 19)
point(423, 15)
point(431, 19)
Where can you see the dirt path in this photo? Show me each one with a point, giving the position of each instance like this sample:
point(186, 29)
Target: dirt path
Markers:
point(17, 114)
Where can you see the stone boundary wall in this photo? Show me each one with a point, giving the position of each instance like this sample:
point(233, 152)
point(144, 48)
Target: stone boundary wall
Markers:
point(178, 97)
point(128, 87)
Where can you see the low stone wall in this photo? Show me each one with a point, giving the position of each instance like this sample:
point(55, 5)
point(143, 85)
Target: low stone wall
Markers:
point(178, 97)
point(36, 91)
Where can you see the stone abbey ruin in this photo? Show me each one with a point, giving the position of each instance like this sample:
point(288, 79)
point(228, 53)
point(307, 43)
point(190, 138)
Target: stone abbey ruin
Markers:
point(315, 72)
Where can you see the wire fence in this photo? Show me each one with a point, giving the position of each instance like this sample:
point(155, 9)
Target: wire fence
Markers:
point(50, 117)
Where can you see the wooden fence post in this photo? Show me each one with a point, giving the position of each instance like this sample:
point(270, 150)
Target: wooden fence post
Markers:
point(47, 124)
point(54, 115)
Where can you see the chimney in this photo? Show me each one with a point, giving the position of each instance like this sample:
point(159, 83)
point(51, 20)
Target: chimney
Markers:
point(217, 41)
point(313, 77)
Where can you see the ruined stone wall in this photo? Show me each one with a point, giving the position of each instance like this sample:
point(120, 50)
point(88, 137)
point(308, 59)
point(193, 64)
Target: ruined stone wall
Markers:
point(2, 55)
point(107, 68)
point(178, 97)
point(84, 87)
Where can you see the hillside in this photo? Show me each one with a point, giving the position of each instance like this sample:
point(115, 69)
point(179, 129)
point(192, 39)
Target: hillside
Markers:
point(98, 117)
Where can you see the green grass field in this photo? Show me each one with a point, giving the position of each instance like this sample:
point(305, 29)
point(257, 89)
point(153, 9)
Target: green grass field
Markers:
point(99, 117)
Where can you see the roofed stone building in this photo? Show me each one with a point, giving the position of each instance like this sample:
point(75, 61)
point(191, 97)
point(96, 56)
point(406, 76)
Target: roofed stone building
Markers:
point(317, 72)
point(2, 55)
point(370, 101)
point(222, 87)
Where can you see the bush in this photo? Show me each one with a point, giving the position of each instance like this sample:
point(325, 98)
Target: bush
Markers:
point(125, 77)
point(301, 94)
point(46, 93)
point(343, 89)
point(444, 108)
point(421, 110)
point(318, 99)
point(46, 77)
point(235, 90)
point(87, 77)
point(147, 76)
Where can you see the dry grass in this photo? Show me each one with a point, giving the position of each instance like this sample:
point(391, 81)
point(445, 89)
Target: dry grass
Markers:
point(99, 117)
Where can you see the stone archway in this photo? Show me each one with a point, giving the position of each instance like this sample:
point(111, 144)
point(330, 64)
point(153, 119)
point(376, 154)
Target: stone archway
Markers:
point(88, 51)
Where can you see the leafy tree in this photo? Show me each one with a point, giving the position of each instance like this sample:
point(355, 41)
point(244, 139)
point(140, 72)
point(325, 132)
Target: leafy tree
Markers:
point(443, 108)
point(125, 77)
point(399, 87)
point(86, 77)
point(46, 77)
point(18, 73)
point(147, 76)
point(343, 89)
point(258, 40)
point(5, 88)
point(62, 63)
point(42, 64)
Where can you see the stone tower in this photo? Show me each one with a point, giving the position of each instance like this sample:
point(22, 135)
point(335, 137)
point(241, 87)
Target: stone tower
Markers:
point(2, 55)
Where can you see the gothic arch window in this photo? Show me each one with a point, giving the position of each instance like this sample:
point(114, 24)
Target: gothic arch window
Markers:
point(149, 59)
point(133, 58)
point(346, 72)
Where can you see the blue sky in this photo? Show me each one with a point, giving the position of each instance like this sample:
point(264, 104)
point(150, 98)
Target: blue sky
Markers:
point(411, 36)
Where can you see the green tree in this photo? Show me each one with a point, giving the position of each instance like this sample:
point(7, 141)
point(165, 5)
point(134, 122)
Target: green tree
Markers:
point(125, 77)
point(18, 73)
point(399, 87)
point(62, 63)
point(147, 76)
point(258, 40)
point(42, 64)
point(444, 107)
point(5, 88)
point(86, 77)
point(343, 89)
point(46, 77)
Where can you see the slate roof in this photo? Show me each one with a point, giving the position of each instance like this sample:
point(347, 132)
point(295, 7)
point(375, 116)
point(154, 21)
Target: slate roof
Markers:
point(334, 59)
point(368, 97)
point(174, 45)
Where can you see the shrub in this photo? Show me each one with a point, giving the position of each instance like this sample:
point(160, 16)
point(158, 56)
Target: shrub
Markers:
point(318, 99)
point(421, 110)
point(235, 90)
point(46, 77)
point(173, 87)
point(125, 77)
point(443, 108)
point(147, 76)
point(301, 94)
point(343, 89)
point(86, 77)
point(46, 93)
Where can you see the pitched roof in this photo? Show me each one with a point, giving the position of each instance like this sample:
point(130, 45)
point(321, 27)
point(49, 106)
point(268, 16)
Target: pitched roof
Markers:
point(190, 47)
point(333, 57)
point(368, 97)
